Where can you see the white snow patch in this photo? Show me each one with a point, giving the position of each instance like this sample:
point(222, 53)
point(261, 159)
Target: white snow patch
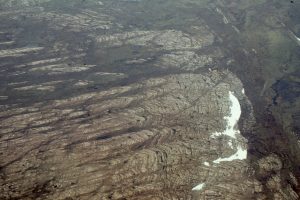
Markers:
point(230, 144)
point(232, 119)
point(243, 91)
point(295, 36)
point(199, 187)
point(206, 164)
point(241, 154)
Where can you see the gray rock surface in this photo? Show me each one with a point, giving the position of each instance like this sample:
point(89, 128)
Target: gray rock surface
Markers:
point(147, 100)
point(146, 145)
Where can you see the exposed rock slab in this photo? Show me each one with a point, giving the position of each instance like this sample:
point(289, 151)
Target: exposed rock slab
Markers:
point(138, 146)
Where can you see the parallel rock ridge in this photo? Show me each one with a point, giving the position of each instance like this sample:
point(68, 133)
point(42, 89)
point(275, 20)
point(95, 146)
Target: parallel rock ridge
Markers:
point(141, 146)
point(128, 99)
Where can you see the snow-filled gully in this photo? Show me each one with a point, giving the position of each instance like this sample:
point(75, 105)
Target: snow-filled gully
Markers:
point(232, 132)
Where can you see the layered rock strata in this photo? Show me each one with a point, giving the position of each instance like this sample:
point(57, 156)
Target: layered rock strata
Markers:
point(150, 140)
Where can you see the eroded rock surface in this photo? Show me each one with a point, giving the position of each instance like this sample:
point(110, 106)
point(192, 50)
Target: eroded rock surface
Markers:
point(122, 143)
point(145, 100)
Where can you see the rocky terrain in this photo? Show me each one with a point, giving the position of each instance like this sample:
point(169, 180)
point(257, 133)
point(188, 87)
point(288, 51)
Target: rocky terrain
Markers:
point(179, 99)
